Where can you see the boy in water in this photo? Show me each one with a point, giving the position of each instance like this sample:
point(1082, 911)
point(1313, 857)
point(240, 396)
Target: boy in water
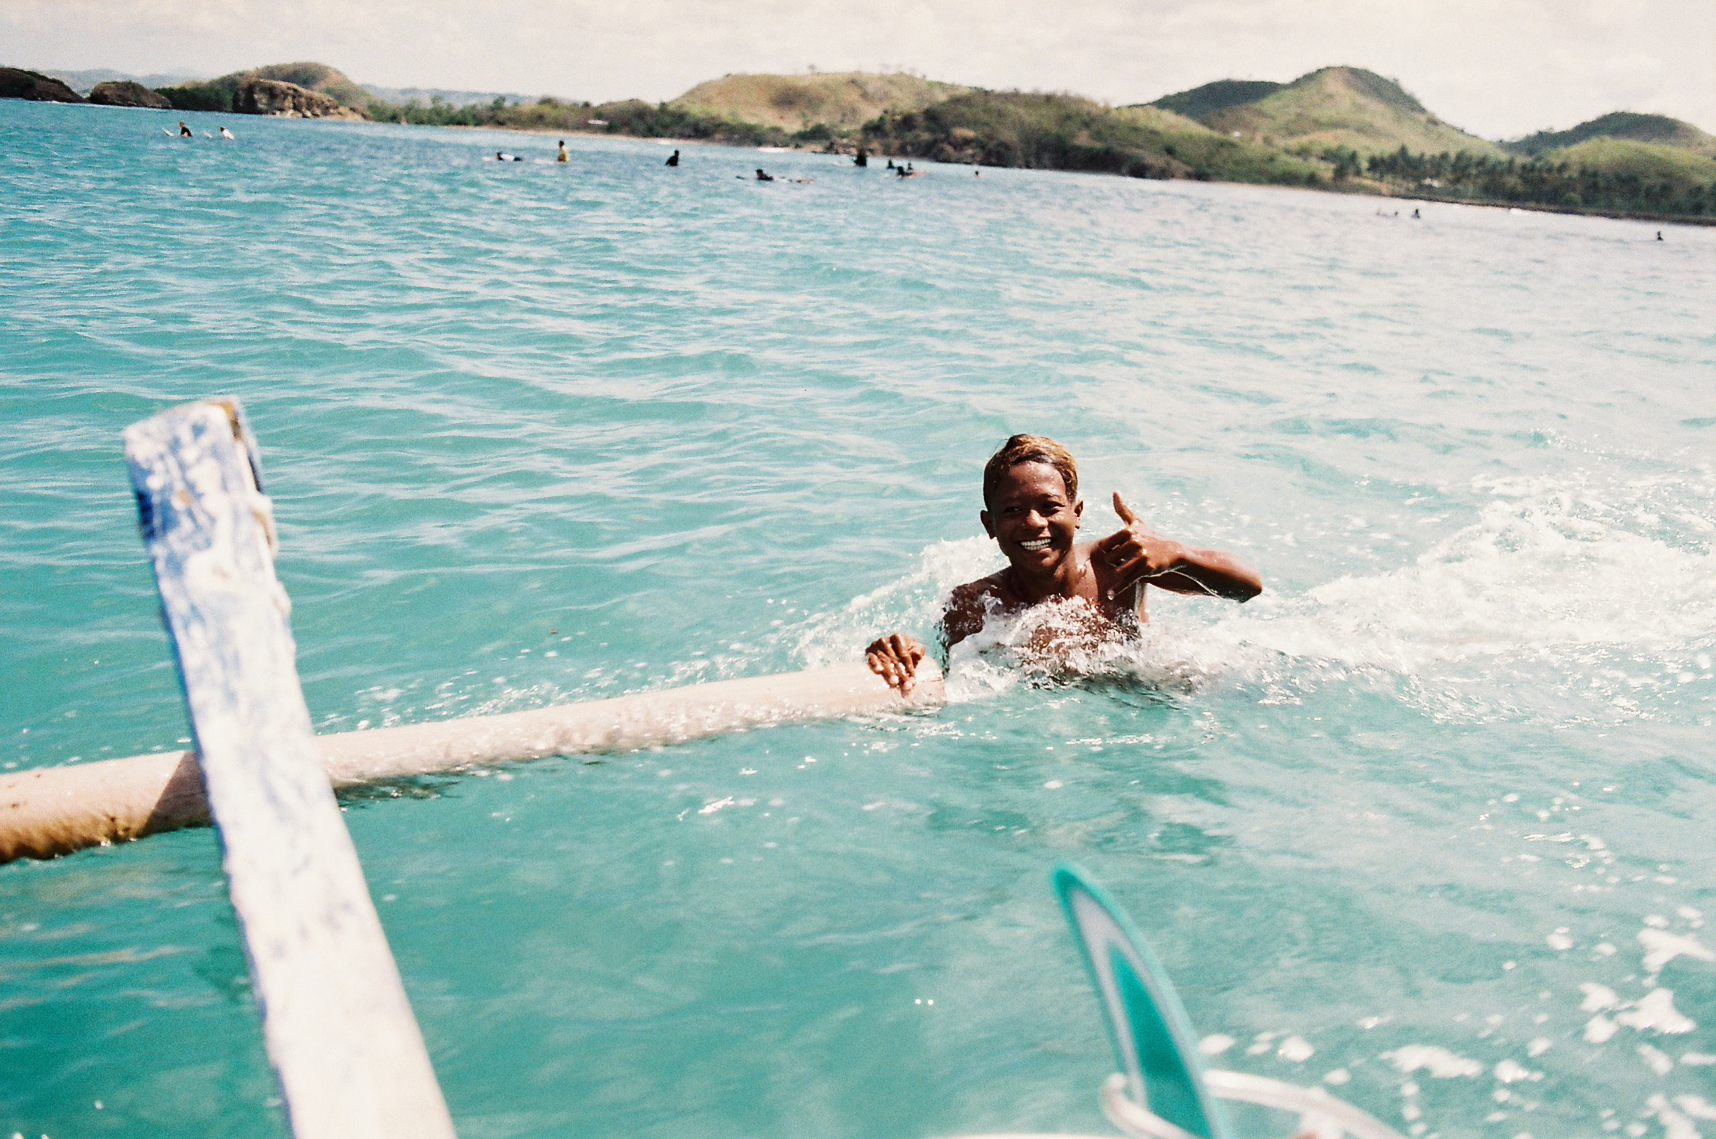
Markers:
point(1032, 510)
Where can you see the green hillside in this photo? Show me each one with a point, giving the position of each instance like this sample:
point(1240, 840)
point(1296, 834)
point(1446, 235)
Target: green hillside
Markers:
point(1599, 175)
point(1622, 125)
point(840, 101)
point(1334, 108)
point(1217, 96)
point(1064, 132)
point(1645, 160)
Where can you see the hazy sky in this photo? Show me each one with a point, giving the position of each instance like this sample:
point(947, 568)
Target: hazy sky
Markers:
point(1500, 68)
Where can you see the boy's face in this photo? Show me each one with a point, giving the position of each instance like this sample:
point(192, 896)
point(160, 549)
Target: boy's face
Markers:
point(1032, 518)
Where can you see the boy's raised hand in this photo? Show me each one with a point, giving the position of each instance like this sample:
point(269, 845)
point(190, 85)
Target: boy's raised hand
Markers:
point(1135, 552)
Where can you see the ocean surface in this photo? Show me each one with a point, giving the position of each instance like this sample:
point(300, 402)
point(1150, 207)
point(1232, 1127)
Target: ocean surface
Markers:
point(1429, 823)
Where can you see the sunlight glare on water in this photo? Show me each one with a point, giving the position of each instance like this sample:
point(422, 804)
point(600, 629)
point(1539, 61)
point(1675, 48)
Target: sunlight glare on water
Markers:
point(1427, 823)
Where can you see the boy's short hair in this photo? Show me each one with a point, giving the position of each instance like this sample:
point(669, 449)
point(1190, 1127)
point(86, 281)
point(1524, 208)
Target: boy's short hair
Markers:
point(1030, 449)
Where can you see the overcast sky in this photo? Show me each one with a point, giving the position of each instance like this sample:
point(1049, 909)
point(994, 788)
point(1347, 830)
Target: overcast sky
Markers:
point(1499, 68)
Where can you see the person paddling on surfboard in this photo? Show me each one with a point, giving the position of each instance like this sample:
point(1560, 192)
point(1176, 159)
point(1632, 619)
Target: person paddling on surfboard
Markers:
point(1032, 510)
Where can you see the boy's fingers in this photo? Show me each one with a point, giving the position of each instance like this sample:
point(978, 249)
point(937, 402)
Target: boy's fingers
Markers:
point(1123, 510)
point(1137, 568)
point(1119, 547)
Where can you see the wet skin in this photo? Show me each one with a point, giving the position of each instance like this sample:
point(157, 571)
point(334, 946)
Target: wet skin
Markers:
point(1035, 522)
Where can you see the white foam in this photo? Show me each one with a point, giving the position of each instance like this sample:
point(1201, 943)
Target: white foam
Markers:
point(1661, 947)
point(1655, 1011)
point(1657, 1060)
point(912, 603)
point(1437, 1061)
point(1599, 1029)
point(1674, 1124)
point(1215, 1044)
point(1512, 1071)
point(1598, 998)
point(1549, 574)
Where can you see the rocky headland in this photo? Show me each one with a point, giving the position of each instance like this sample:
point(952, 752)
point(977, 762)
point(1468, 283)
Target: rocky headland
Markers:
point(127, 93)
point(16, 83)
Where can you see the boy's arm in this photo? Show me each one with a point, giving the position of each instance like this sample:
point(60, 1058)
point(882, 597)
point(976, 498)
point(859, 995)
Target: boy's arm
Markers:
point(1210, 573)
point(1136, 554)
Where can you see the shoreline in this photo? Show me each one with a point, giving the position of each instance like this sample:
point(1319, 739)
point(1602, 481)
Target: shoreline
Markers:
point(1362, 187)
point(1357, 190)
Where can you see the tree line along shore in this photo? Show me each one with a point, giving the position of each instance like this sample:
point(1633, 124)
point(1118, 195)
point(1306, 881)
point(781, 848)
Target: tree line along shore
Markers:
point(1338, 128)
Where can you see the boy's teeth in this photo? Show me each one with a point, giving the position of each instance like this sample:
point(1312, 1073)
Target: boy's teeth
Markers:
point(1035, 543)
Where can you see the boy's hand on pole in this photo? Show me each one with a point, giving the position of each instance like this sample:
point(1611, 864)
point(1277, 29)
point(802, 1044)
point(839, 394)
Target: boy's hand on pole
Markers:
point(895, 659)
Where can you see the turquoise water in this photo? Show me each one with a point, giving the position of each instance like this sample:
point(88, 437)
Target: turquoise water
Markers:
point(1429, 821)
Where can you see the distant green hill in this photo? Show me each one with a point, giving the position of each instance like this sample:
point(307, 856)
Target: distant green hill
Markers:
point(1336, 107)
point(1622, 125)
point(1648, 161)
point(838, 100)
point(1217, 96)
point(1064, 132)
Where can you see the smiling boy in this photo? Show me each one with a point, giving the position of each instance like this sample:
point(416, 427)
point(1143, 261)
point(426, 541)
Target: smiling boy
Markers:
point(1032, 510)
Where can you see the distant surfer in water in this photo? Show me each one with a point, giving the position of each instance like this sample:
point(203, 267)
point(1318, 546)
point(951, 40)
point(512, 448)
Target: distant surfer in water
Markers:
point(673, 159)
point(1032, 510)
point(561, 155)
point(762, 177)
point(226, 134)
point(184, 131)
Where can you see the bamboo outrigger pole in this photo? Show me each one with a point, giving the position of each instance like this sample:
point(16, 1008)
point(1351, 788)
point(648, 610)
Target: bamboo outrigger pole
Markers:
point(49, 811)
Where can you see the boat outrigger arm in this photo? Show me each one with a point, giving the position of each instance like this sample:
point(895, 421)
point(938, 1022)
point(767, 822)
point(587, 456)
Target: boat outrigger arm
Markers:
point(335, 1019)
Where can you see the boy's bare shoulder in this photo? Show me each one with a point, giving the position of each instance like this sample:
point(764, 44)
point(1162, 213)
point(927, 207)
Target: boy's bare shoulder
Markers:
point(973, 590)
point(969, 604)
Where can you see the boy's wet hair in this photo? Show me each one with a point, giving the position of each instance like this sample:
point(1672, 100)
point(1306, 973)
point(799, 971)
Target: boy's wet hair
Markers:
point(1030, 449)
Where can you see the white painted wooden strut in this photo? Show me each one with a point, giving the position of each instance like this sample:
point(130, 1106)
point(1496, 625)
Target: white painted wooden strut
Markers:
point(337, 1025)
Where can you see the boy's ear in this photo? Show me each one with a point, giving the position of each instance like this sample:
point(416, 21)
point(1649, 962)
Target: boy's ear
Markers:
point(1078, 511)
point(983, 516)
